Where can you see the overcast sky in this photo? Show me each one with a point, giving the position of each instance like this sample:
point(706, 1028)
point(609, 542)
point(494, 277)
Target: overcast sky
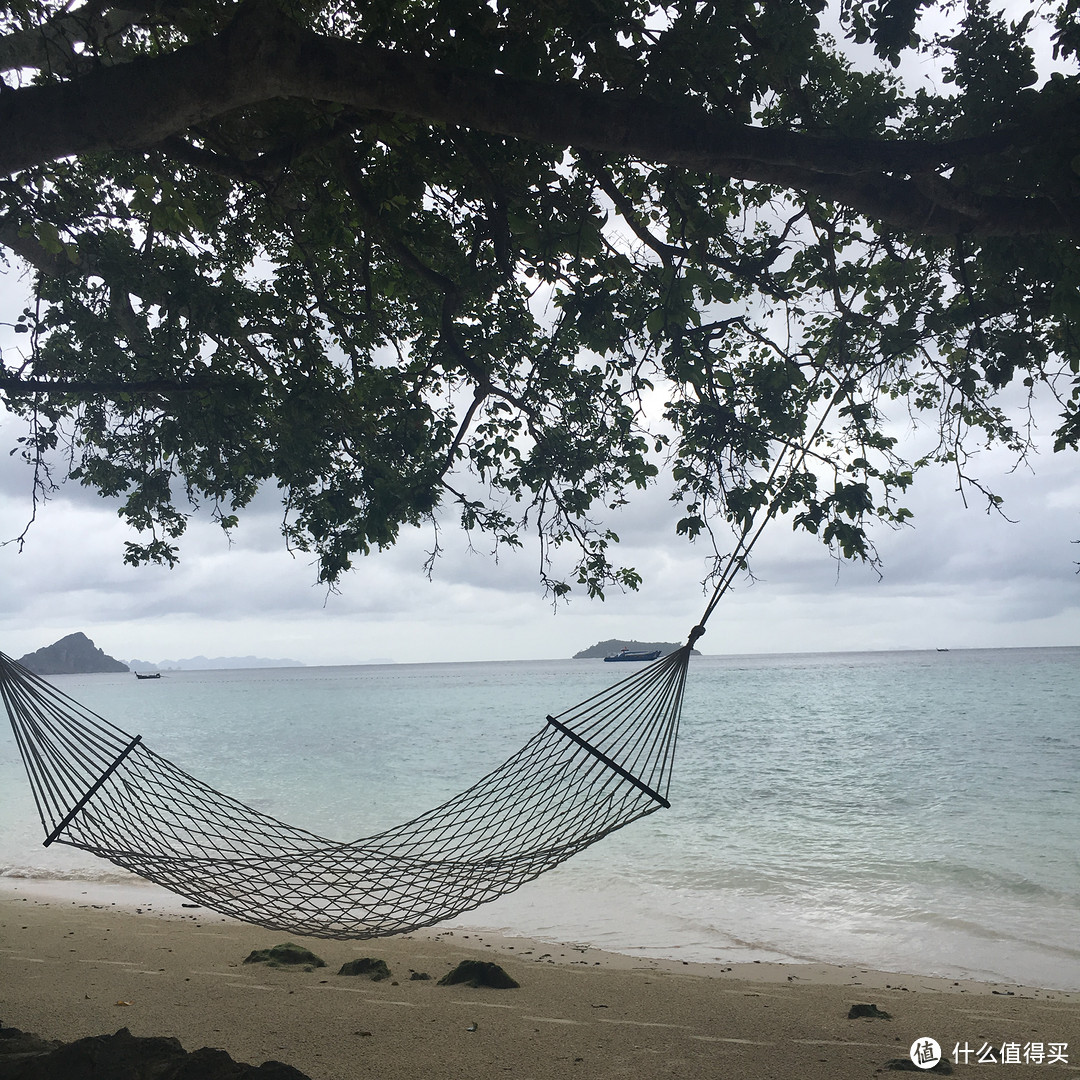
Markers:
point(959, 579)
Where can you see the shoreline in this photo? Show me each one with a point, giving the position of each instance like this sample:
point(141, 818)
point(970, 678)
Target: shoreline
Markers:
point(71, 966)
point(147, 900)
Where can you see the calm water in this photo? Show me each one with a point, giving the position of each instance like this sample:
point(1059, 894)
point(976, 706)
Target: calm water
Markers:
point(914, 811)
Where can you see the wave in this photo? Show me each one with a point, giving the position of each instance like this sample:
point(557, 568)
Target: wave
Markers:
point(105, 876)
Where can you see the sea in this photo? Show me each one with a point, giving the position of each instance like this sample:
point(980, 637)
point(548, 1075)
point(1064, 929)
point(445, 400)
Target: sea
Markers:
point(914, 812)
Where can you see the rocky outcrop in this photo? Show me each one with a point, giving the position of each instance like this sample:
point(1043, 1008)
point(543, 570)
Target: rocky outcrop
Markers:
point(124, 1057)
point(75, 654)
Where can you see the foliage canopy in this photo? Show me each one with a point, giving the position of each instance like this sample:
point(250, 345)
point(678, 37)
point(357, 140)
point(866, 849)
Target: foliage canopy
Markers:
point(515, 258)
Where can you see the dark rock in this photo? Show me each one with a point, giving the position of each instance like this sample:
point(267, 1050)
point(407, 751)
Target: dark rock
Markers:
point(16, 1044)
point(418, 976)
point(375, 970)
point(75, 654)
point(870, 1012)
point(285, 955)
point(479, 973)
point(124, 1057)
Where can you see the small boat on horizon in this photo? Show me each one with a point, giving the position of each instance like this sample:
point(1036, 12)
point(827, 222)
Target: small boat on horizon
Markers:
point(141, 675)
point(626, 654)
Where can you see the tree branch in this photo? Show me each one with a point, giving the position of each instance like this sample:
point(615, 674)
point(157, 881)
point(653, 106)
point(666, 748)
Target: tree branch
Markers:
point(262, 55)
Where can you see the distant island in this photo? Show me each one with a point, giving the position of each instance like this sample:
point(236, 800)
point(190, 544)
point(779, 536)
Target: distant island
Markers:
point(75, 654)
point(211, 663)
point(606, 648)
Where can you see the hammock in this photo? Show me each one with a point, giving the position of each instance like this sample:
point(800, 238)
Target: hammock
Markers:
point(587, 772)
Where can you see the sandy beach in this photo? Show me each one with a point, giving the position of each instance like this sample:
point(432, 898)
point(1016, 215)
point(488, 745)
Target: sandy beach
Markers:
point(82, 964)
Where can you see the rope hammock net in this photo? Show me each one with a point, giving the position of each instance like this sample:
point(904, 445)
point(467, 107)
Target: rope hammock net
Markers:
point(589, 771)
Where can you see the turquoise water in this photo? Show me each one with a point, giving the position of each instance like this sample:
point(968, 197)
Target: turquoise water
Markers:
point(911, 811)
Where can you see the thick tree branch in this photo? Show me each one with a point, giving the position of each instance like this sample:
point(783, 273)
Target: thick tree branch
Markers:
point(264, 56)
